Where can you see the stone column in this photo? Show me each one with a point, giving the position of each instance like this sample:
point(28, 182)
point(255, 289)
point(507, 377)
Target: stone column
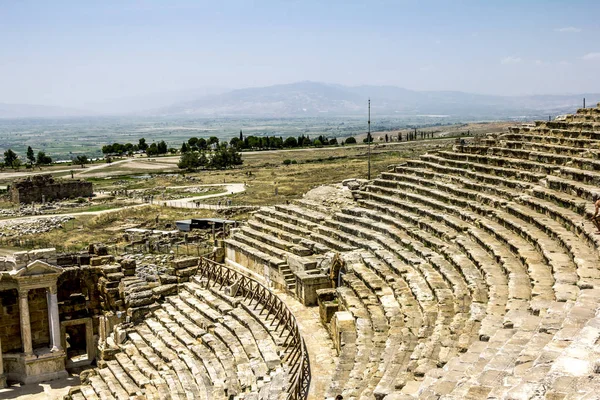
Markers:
point(53, 321)
point(25, 324)
point(2, 376)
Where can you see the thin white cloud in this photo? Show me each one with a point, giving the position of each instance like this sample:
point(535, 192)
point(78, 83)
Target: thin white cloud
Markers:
point(427, 68)
point(538, 62)
point(591, 56)
point(563, 63)
point(511, 60)
point(568, 29)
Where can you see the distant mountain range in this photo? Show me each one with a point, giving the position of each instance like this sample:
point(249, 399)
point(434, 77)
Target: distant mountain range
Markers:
point(320, 99)
point(313, 99)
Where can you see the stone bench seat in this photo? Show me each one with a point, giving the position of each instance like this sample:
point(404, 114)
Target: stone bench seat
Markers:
point(582, 255)
point(313, 228)
point(369, 344)
point(204, 309)
point(506, 163)
point(259, 224)
point(572, 126)
point(446, 274)
point(543, 236)
point(189, 382)
point(562, 132)
point(242, 363)
point(260, 246)
point(495, 277)
point(584, 117)
point(174, 328)
point(155, 352)
point(225, 356)
point(573, 188)
point(132, 370)
point(460, 274)
point(183, 308)
point(425, 167)
point(568, 210)
point(124, 379)
point(305, 213)
point(557, 212)
point(101, 388)
point(183, 320)
point(487, 169)
point(263, 339)
point(274, 241)
point(250, 251)
point(113, 384)
point(207, 296)
point(534, 138)
point(87, 392)
point(289, 222)
point(470, 218)
point(564, 149)
point(534, 236)
point(402, 261)
point(166, 337)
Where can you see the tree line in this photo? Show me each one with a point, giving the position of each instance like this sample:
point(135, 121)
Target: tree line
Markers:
point(12, 160)
point(273, 142)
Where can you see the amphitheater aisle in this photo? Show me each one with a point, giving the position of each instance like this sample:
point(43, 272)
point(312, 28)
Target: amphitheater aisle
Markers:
point(320, 348)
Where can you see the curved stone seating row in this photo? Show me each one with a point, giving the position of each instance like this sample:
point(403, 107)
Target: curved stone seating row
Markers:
point(537, 138)
point(500, 223)
point(565, 148)
point(200, 344)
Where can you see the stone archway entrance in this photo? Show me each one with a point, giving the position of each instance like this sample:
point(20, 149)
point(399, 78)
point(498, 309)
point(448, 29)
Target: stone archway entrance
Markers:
point(337, 269)
point(77, 338)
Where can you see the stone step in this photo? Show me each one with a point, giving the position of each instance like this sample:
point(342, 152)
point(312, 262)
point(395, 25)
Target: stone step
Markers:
point(113, 384)
point(294, 248)
point(265, 225)
point(250, 251)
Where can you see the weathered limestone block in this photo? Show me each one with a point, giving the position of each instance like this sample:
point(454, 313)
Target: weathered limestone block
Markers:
point(328, 304)
point(164, 290)
point(101, 260)
point(184, 263)
point(342, 321)
point(307, 284)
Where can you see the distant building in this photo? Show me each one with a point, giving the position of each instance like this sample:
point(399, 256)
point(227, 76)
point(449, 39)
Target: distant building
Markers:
point(39, 188)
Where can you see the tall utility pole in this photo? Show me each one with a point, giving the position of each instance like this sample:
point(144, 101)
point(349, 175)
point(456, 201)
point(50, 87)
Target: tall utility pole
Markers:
point(369, 142)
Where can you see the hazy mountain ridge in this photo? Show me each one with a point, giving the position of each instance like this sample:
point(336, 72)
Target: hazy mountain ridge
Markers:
point(313, 99)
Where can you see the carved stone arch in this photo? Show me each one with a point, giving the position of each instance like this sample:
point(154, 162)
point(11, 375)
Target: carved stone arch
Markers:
point(338, 267)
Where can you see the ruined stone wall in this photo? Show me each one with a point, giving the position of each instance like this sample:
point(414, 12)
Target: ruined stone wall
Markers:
point(46, 188)
point(10, 328)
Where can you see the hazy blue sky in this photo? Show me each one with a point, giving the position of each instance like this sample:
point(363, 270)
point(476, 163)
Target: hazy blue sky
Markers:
point(69, 53)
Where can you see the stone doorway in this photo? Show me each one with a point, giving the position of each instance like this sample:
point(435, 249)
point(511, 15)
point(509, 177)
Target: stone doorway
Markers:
point(77, 337)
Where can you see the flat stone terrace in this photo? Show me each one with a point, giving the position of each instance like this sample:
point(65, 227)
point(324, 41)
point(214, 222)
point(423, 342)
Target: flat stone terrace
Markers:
point(471, 273)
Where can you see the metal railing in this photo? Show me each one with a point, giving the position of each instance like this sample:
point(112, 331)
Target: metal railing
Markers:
point(283, 319)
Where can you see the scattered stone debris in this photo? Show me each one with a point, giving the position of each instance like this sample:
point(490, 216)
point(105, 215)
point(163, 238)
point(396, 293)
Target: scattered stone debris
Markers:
point(15, 228)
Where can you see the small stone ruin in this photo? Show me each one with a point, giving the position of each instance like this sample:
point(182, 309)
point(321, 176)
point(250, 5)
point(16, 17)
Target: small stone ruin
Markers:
point(43, 188)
